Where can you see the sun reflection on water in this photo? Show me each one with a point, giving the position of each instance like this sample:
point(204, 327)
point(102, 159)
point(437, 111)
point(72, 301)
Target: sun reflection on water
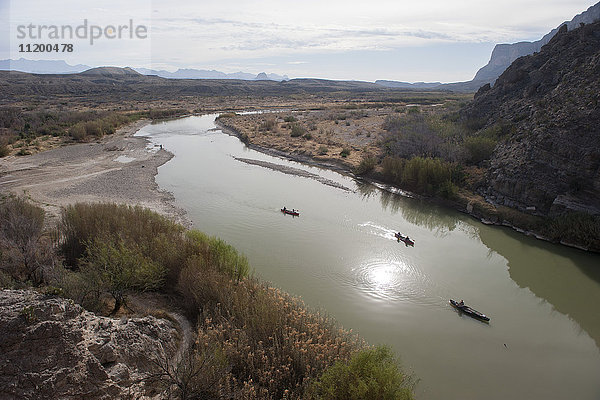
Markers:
point(391, 279)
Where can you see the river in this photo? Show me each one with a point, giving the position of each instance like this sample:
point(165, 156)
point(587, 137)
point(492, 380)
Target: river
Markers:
point(543, 340)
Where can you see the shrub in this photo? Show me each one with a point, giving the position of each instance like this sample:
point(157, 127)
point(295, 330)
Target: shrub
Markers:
point(573, 227)
point(25, 254)
point(479, 148)
point(115, 268)
point(289, 118)
point(366, 165)
point(77, 131)
point(297, 130)
point(166, 113)
point(93, 128)
point(267, 125)
point(345, 152)
point(154, 234)
point(323, 150)
point(227, 115)
point(370, 374)
point(423, 175)
point(4, 150)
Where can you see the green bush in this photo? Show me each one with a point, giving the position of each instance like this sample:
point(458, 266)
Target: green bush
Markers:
point(77, 131)
point(422, 175)
point(154, 234)
point(115, 268)
point(323, 150)
point(345, 152)
point(366, 165)
point(479, 148)
point(289, 118)
point(372, 374)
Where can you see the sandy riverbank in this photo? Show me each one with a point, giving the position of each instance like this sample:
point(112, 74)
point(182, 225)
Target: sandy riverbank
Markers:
point(120, 168)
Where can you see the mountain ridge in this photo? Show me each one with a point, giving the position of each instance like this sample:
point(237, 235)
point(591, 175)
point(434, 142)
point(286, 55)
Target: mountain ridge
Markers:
point(549, 164)
point(62, 67)
point(504, 54)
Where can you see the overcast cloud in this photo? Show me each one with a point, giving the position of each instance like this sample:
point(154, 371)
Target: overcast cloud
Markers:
point(428, 40)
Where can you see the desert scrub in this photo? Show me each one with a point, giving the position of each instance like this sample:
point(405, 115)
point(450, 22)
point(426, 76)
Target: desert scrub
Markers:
point(269, 124)
point(26, 254)
point(275, 347)
point(323, 150)
point(297, 130)
point(4, 149)
point(366, 165)
point(428, 176)
point(370, 374)
point(574, 227)
point(289, 118)
point(345, 152)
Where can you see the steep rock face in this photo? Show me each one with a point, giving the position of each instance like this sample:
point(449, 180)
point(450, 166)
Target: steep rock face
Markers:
point(504, 54)
point(551, 163)
point(51, 348)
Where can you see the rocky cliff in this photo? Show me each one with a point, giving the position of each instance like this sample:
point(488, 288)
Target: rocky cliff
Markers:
point(51, 348)
point(504, 54)
point(550, 162)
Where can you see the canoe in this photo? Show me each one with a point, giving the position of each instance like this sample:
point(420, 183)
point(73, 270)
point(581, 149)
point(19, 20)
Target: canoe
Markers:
point(290, 212)
point(405, 239)
point(469, 311)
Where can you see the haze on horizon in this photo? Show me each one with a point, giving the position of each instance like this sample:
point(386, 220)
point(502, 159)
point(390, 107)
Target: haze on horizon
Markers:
point(430, 40)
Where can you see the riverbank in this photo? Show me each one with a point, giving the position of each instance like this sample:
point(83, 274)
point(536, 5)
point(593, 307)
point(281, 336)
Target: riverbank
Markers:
point(118, 168)
point(465, 201)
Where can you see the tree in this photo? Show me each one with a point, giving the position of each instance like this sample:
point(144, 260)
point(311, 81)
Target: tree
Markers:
point(116, 268)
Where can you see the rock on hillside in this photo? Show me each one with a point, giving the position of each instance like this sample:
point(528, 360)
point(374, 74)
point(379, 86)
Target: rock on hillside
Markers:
point(51, 348)
point(504, 54)
point(551, 100)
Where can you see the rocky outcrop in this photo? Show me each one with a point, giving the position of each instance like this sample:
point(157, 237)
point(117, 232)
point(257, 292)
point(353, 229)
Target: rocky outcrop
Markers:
point(504, 54)
point(51, 348)
point(550, 162)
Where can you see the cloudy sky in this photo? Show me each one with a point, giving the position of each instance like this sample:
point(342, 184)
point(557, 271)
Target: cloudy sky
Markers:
point(426, 40)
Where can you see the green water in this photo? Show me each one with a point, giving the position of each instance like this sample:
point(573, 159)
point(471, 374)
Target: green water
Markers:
point(340, 256)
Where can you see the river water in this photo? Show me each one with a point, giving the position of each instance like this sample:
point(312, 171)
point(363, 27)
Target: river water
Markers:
point(543, 340)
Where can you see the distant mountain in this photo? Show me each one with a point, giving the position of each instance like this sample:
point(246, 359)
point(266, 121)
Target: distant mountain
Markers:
point(42, 66)
point(61, 67)
point(504, 54)
point(406, 85)
point(189, 73)
point(111, 71)
point(547, 106)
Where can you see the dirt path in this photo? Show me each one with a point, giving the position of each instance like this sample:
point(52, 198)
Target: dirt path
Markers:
point(187, 338)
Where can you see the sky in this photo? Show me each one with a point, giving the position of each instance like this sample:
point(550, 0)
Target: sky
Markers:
point(425, 40)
